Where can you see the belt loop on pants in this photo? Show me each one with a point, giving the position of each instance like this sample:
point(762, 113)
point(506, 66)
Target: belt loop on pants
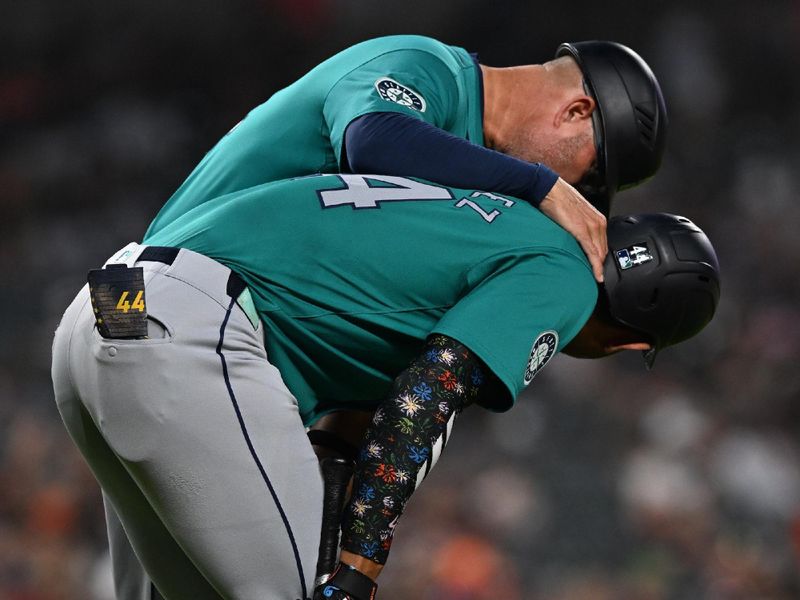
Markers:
point(162, 254)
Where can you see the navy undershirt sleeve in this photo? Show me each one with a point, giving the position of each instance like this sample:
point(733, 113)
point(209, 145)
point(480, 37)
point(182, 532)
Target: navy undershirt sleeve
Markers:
point(396, 144)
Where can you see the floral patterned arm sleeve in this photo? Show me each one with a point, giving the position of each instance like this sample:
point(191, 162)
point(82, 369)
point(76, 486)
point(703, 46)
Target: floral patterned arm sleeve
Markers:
point(406, 437)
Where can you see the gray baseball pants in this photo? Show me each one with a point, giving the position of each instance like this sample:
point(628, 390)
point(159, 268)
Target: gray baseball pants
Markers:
point(211, 487)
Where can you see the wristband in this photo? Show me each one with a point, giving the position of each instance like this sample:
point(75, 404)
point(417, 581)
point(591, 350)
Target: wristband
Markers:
point(352, 582)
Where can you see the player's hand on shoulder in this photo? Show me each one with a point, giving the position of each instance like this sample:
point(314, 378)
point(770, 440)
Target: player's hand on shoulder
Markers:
point(565, 205)
point(346, 583)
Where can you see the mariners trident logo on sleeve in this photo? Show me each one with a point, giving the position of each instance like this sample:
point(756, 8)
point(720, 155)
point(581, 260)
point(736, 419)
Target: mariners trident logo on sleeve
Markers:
point(543, 349)
point(390, 90)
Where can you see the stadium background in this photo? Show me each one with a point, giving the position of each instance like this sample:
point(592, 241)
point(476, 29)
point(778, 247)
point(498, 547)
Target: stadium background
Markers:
point(605, 482)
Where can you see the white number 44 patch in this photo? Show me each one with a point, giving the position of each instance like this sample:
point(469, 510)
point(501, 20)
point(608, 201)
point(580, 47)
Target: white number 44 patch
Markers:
point(633, 256)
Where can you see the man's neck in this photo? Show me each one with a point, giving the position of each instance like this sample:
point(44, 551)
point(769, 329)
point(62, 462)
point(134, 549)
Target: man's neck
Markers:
point(509, 96)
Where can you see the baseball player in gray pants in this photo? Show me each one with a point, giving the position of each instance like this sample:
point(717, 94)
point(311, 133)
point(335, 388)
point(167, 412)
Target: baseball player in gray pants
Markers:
point(196, 466)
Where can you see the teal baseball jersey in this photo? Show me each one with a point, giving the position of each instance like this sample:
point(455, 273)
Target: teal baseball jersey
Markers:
point(300, 129)
point(350, 274)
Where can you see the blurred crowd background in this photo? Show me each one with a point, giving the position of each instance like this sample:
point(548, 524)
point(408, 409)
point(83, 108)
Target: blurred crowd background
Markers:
point(605, 482)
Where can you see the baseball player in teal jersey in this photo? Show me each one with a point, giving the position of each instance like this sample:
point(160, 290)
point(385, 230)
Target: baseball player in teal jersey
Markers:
point(384, 258)
point(300, 129)
point(413, 106)
point(188, 368)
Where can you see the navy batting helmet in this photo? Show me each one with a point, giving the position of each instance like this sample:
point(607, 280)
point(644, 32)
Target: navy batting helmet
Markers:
point(661, 278)
point(630, 122)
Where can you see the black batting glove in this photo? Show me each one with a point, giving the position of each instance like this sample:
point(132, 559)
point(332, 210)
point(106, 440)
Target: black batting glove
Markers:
point(346, 583)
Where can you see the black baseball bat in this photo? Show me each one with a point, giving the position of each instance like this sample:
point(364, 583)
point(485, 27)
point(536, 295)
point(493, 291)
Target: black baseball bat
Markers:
point(336, 474)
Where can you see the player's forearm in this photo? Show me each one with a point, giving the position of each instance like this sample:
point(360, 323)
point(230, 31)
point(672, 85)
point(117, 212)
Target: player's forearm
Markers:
point(396, 144)
point(365, 565)
point(406, 437)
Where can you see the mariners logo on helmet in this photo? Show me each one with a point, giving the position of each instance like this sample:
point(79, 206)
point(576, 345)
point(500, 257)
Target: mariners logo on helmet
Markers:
point(543, 349)
point(390, 90)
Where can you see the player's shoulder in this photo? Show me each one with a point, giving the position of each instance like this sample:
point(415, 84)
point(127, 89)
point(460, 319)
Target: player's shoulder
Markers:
point(534, 235)
point(398, 44)
point(405, 42)
point(517, 224)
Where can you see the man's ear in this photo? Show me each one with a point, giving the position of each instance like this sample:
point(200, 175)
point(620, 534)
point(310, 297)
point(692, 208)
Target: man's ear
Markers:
point(577, 108)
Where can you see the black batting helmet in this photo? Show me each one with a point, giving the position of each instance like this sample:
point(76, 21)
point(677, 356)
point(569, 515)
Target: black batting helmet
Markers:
point(661, 278)
point(631, 121)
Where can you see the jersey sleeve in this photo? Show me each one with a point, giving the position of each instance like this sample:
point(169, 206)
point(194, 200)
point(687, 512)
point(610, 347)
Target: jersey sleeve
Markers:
point(518, 312)
point(411, 82)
